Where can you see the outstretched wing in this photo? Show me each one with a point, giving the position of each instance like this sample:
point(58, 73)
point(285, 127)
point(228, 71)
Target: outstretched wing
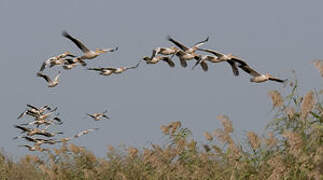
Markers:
point(169, 61)
point(277, 80)
point(204, 66)
point(198, 44)
point(77, 42)
point(249, 70)
point(111, 69)
point(32, 107)
point(180, 45)
point(91, 115)
point(29, 139)
point(44, 76)
point(22, 114)
point(22, 128)
point(239, 60)
point(234, 67)
point(217, 53)
point(135, 66)
point(95, 69)
point(155, 52)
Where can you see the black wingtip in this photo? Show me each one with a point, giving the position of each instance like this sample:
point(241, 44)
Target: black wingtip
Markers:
point(65, 34)
point(168, 37)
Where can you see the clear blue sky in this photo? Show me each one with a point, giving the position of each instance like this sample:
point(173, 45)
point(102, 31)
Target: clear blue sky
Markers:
point(272, 36)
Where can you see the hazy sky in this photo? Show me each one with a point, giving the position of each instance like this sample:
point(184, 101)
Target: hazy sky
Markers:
point(272, 36)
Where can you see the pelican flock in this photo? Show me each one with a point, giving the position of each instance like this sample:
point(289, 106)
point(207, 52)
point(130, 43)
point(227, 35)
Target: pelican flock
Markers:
point(42, 119)
point(45, 117)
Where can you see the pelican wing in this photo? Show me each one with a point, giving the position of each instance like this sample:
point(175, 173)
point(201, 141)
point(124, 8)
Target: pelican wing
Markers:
point(217, 53)
point(95, 69)
point(22, 114)
point(135, 66)
point(197, 63)
point(169, 61)
point(24, 129)
point(47, 78)
point(105, 116)
point(47, 134)
point(234, 67)
point(83, 63)
point(277, 80)
point(32, 107)
point(249, 70)
point(111, 69)
point(77, 42)
point(71, 55)
point(85, 132)
point(239, 60)
point(43, 66)
point(155, 52)
point(46, 107)
point(112, 49)
point(29, 139)
point(56, 78)
point(198, 44)
point(69, 61)
point(180, 45)
point(204, 66)
point(91, 115)
point(183, 62)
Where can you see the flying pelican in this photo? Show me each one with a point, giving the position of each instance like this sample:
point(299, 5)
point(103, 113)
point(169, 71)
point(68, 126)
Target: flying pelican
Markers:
point(187, 53)
point(98, 116)
point(35, 131)
point(29, 131)
point(56, 60)
point(165, 51)
point(69, 65)
point(257, 77)
point(34, 111)
point(34, 148)
point(39, 141)
point(28, 112)
point(220, 57)
point(38, 110)
point(109, 71)
point(190, 50)
point(103, 71)
point(87, 53)
point(42, 116)
point(39, 122)
point(64, 140)
point(156, 59)
point(69, 61)
point(183, 57)
point(85, 132)
point(51, 83)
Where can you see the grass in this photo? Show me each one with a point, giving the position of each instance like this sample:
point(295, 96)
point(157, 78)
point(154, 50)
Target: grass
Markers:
point(291, 149)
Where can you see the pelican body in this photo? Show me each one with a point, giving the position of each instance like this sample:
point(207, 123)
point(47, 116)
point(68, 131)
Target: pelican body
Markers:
point(156, 59)
point(258, 77)
point(220, 57)
point(87, 53)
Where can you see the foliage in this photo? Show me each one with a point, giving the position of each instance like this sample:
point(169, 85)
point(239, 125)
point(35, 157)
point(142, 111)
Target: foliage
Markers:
point(292, 149)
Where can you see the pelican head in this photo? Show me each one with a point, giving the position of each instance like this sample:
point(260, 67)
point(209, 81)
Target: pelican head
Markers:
point(101, 51)
point(146, 58)
point(268, 75)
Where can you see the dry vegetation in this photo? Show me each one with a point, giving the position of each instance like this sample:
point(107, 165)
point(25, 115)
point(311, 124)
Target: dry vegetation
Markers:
point(291, 149)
